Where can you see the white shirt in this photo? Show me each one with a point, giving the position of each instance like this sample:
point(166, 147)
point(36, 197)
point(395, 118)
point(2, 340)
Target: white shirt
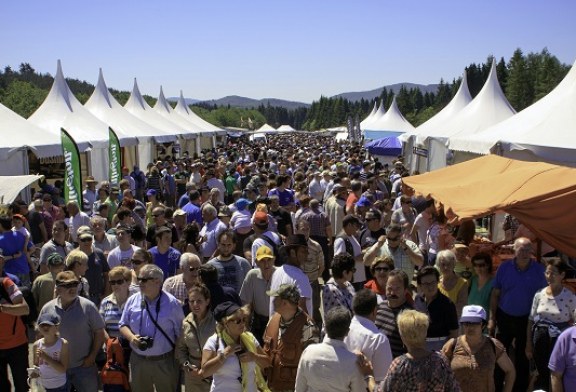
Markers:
point(80, 219)
point(365, 337)
point(258, 242)
point(289, 274)
point(118, 257)
point(217, 183)
point(340, 247)
point(329, 366)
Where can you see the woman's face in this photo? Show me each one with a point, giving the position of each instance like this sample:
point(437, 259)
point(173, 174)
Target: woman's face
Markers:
point(198, 304)
point(118, 284)
point(381, 273)
point(480, 266)
point(446, 267)
point(553, 276)
point(236, 323)
point(472, 329)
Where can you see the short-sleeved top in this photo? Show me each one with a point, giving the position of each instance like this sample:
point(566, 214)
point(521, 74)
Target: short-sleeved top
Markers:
point(111, 313)
point(474, 372)
point(118, 257)
point(289, 274)
point(253, 292)
point(442, 312)
point(231, 272)
point(78, 323)
point(387, 322)
point(563, 358)
point(285, 197)
point(555, 309)
point(12, 242)
point(517, 288)
point(168, 261)
point(12, 329)
point(334, 295)
point(97, 267)
point(52, 247)
point(481, 296)
point(228, 377)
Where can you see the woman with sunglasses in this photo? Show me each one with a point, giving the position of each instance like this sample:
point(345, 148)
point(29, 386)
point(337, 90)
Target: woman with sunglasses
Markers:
point(140, 258)
point(111, 307)
point(552, 312)
point(197, 327)
point(473, 356)
point(379, 269)
point(481, 282)
point(233, 356)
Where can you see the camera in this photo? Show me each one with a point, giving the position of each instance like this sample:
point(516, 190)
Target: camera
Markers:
point(145, 342)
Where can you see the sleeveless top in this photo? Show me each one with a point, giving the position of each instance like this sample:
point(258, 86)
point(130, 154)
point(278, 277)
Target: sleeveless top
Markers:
point(453, 293)
point(49, 377)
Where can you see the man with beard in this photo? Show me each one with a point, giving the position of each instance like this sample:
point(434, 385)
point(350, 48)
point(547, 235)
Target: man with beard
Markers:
point(388, 310)
point(232, 269)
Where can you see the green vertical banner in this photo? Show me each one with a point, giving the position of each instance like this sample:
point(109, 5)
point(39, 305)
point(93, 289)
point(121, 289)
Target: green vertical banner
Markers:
point(72, 173)
point(115, 159)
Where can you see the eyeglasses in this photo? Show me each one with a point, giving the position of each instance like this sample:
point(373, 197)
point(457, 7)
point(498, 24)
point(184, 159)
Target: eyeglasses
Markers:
point(86, 239)
point(429, 284)
point(68, 285)
point(393, 239)
point(143, 280)
point(116, 282)
point(237, 321)
point(381, 269)
point(137, 262)
point(193, 269)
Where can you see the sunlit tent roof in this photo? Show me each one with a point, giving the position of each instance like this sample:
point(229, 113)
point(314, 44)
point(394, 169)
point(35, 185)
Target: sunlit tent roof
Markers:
point(369, 125)
point(458, 102)
point(163, 108)
point(540, 195)
point(392, 123)
point(266, 128)
point(285, 128)
point(105, 107)
point(489, 107)
point(369, 118)
point(17, 133)
point(545, 130)
point(11, 186)
point(183, 110)
point(137, 106)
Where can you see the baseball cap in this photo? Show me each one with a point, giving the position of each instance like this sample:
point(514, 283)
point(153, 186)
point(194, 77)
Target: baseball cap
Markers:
point(260, 218)
point(225, 309)
point(264, 252)
point(288, 292)
point(473, 314)
point(241, 203)
point(363, 202)
point(55, 259)
point(48, 318)
point(151, 192)
point(179, 212)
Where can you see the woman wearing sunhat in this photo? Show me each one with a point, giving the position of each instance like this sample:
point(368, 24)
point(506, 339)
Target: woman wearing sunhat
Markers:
point(232, 356)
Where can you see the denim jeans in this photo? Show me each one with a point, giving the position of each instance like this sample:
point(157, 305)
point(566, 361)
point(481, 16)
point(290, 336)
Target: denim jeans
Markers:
point(83, 379)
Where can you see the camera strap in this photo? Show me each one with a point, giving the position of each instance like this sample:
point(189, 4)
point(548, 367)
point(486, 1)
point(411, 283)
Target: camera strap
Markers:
point(158, 327)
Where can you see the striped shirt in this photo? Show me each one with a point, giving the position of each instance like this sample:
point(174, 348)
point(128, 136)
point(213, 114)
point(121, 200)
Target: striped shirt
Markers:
point(111, 313)
point(386, 321)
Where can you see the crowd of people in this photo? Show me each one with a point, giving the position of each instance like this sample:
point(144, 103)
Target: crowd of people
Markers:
point(301, 264)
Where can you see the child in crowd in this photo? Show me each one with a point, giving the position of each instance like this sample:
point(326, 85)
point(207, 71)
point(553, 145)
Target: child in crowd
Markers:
point(51, 355)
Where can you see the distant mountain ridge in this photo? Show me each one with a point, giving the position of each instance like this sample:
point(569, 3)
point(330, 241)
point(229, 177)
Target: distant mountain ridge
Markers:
point(246, 103)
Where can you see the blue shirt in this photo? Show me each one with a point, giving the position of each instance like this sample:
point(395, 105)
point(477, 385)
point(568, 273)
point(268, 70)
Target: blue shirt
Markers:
point(193, 213)
point(168, 261)
point(12, 242)
point(169, 317)
point(517, 288)
point(285, 197)
point(184, 199)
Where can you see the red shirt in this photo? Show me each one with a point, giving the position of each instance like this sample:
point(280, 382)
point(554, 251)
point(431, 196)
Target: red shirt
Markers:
point(12, 329)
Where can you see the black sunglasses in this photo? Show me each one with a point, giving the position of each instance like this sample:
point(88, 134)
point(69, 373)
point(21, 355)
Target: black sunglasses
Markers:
point(118, 282)
point(393, 239)
point(136, 261)
point(68, 285)
point(86, 239)
point(193, 269)
point(381, 269)
point(144, 280)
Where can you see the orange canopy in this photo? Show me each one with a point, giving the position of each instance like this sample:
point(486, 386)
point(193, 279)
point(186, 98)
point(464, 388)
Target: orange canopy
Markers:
point(540, 195)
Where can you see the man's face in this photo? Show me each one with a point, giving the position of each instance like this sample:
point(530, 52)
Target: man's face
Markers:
point(67, 290)
point(158, 216)
point(226, 246)
point(428, 286)
point(165, 239)
point(190, 273)
point(59, 232)
point(393, 239)
point(523, 250)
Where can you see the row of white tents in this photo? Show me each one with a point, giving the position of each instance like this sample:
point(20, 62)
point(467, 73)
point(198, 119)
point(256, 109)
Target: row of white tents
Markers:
point(139, 127)
point(467, 128)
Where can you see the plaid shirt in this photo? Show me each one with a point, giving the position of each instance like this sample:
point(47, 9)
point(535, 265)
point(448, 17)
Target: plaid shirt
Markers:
point(175, 285)
point(318, 221)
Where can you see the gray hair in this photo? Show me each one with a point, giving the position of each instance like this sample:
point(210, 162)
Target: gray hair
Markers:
point(152, 271)
point(446, 255)
point(187, 258)
point(210, 209)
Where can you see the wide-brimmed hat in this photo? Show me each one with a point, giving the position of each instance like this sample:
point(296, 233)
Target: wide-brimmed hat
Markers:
point(90, 179)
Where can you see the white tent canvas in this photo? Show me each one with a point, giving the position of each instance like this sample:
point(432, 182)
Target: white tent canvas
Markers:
point(545, 130)
point(183, 110)
point(61, 109)
point(285, 128)
point(489, 107)
point(18, 136)
point(369, 117)
point(369, 122)
point(266, 129)
point(105, 107)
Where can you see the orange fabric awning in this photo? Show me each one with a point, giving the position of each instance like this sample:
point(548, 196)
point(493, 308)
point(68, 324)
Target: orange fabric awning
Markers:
point(540, 195)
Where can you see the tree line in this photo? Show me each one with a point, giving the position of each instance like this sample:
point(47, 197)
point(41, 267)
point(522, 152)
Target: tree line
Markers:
point(525, 78)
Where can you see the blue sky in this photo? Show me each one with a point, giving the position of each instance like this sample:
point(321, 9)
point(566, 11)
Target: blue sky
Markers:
point(296, 50)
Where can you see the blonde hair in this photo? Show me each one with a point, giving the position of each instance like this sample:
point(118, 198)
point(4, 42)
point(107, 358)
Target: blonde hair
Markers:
point(121, 271)
point(221, 325)
point(261, 207)
point(76, 256)
point(413, 327)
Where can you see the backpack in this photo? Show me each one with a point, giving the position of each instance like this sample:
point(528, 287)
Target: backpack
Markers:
point(32, 315)
point(115, 373)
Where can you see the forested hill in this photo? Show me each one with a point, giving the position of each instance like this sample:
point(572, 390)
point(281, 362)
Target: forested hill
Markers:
point(524, 78)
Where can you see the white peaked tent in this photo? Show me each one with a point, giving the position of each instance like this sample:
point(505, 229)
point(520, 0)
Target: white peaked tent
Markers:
point(138, 107)
point(369, 125)
point(61, 109)
point(19, 136)
point(489, 107)
point(544, 131)
point(392, 123)
point(105, 107)
point(460, 100)
point(209, 131)
point(266, 129)
point(285, 128)
point(368, 118)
